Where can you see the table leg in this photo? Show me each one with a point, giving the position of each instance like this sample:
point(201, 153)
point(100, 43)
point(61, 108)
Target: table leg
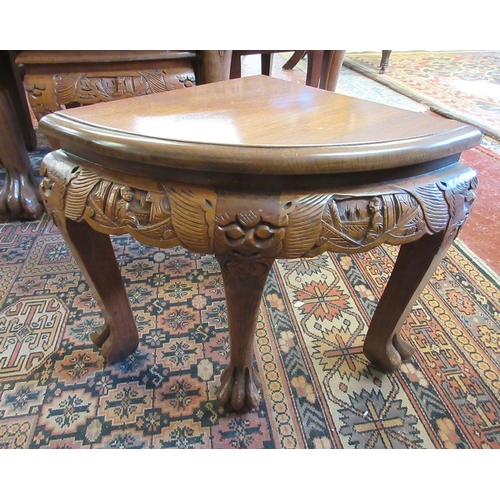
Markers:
point(330, 72)
point(314, 66)
point(94, 254)
point(244, 283)
point(249, 234)
point(294, 59)
point(414, 266)
point(19, 196)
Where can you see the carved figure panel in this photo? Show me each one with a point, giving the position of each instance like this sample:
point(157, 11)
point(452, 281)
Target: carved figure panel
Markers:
point(358, 223)
point(49, 93)
point(156, 214)
point(253, 227)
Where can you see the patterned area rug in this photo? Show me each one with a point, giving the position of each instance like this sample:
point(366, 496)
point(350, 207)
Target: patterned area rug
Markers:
point(464, 85)
point(319, 391)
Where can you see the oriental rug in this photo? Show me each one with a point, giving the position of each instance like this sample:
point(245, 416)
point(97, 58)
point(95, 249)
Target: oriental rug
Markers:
point(319, 391)
point(464, 85)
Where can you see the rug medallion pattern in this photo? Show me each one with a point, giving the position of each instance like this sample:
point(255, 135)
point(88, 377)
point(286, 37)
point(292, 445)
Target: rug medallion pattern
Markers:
point(319, 391)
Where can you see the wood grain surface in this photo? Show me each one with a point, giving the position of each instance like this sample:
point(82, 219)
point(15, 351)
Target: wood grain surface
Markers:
point(259, 125)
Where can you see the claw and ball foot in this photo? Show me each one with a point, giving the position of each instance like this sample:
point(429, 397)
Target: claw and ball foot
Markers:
point(239, 389)
point(244, 283)
point(19, 195)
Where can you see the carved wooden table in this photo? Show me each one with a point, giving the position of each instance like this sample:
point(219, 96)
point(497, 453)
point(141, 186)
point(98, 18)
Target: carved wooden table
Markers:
point(252, 170)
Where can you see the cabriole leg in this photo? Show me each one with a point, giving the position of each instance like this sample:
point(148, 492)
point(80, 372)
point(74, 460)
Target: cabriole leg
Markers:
point(415, 265)
point(95, 256)
point(244, 283)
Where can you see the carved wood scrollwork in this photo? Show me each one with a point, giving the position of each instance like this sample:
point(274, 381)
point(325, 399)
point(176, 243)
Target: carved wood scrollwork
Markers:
point(254, 227)
point(460, 196)
point(158, 214)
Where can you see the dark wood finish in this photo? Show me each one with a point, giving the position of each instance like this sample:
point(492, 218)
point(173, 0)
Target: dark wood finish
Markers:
point(294, 59)
point(212, 66)
point(60, 79)
point(323, 66)
point(19, 196)
point(269, 169)
point(330, 71)
point(13, 76)
point(384, 62)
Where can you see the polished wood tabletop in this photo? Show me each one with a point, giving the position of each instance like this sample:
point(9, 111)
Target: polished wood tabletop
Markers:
point(282, 127)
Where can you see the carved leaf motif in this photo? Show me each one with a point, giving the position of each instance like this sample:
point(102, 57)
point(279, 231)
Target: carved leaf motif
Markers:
point(66, 87)
point(193, 215)
point(304, 225)
point(335, 238)
point(435, 208)
point(78, 191)
point(155, 80)
point(157, 234)
point(460, 197)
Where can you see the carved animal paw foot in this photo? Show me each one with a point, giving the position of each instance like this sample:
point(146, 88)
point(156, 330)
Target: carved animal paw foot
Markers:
point(19, 197)
point(388, 358)
point(239, 390)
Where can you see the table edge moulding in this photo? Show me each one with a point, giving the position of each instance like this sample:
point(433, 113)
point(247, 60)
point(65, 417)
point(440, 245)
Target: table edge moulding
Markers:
point(291, 171)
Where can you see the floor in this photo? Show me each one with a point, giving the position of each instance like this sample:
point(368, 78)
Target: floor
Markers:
point(318, 390)
point(481, 231)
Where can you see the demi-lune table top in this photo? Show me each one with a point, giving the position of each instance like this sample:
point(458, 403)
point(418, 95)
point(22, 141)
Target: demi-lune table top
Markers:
point(259, 125)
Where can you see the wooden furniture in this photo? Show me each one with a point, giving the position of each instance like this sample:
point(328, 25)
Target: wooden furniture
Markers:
point(384, 62)
point(323, 66)
point(253, 170)
point(60, 79)
point(19, 195)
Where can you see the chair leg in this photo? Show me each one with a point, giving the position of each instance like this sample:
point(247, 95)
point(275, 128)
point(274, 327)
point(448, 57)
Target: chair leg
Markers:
point(314, 65)
point(294, 59)
point(266, 63)
point(332, 65)
point(384, 62)
point(235, 69)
